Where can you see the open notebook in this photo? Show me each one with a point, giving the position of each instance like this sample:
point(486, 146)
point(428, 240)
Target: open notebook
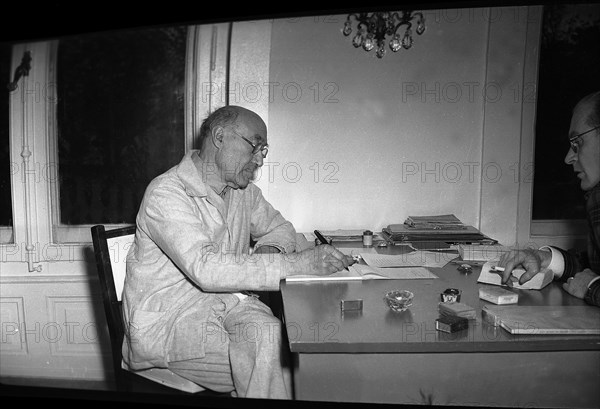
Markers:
point(365, 272)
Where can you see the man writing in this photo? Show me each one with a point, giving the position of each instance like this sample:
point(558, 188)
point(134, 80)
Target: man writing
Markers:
point(185, 296)
point(579, 274)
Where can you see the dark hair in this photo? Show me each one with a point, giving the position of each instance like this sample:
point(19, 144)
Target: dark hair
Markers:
point(593, 100)
point(223, 116)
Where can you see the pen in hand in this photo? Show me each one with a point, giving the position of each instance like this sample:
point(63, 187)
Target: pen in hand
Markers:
point(323, 240)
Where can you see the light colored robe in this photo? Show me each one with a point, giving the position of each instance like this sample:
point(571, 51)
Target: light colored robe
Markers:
point(189, 246)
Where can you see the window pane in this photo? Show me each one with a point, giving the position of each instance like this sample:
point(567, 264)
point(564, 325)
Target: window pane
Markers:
point(5, 167)
point(120, 119)
point(569, 61)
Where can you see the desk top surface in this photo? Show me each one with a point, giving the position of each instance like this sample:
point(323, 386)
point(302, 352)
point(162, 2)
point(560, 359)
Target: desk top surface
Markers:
point(315, 323)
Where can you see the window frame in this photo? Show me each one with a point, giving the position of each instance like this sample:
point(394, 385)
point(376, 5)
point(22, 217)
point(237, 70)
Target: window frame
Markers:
point(200, 39)
point(564, 233)
point(7, 232)
point(37, 234)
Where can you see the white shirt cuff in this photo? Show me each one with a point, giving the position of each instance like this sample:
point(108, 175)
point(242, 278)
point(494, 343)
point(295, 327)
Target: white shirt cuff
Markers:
point(593, 280)
point(557, 262)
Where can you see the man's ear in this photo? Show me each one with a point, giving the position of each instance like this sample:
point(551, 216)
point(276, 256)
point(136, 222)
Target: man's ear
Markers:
point(217, 134)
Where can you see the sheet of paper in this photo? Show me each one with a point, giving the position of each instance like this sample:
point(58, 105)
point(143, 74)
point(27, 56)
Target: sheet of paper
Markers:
point(310, 237)
point(405, 273)
point(414, 259)
point(365, 272)
point(357, 251)
point(351, 274)
point(341, 235)
point(539, 281)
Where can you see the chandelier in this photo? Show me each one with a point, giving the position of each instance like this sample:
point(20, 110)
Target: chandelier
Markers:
point(374, 27)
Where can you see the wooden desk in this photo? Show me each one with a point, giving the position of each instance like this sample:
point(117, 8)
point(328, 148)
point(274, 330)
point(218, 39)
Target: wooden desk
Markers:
point(386, 357)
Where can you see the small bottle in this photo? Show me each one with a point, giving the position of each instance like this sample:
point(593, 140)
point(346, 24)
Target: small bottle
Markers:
point(368, 238)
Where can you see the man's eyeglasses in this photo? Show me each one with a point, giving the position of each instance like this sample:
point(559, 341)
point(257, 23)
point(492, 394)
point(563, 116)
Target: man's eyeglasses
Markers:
point(574, 140)
point(263, 149)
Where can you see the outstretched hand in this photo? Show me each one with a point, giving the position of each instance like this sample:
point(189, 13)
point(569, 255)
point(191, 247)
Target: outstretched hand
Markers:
point(533, 261)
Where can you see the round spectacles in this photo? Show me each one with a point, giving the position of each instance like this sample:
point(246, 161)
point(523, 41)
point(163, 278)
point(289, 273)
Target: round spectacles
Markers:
point(263, 149)
point(574, 140)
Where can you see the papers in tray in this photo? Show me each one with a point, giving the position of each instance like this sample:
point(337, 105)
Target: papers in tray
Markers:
point(539, 281)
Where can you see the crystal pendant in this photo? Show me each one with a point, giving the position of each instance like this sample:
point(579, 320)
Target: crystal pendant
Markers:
point(369, 43)
point(407, 40)
point(381, 51)
point(395, 44)
point(357, 40)
point(348, 29)
point(420, 27)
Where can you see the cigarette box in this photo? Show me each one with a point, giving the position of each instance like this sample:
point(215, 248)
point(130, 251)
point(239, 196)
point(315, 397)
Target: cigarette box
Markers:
point(498, 295)
point(451, 323)
point(457, 309)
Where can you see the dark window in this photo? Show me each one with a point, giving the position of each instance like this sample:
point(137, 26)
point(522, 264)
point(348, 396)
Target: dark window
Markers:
point(568, 70)
point(120, 119)
point(5, 164)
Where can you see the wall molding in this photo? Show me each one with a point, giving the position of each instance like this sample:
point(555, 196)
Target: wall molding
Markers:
point(47, 279)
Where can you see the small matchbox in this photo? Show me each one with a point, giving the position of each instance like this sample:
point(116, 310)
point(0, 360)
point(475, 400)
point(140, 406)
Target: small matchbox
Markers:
point(351, 305)
point(498, 295)
point(451, 323)
point(457, 309)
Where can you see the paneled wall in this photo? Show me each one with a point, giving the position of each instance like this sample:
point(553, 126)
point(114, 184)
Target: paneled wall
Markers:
point(53, 327)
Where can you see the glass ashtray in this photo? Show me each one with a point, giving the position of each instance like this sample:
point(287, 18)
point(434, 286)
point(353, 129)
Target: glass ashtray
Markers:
point(399, 300)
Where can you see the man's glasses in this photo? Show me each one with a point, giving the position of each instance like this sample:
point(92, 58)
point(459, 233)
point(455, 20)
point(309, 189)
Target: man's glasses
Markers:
point(574, 140)
point(263, 149)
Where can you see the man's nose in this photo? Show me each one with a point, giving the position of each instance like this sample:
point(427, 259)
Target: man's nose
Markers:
point(258, 159)
point(571, 157)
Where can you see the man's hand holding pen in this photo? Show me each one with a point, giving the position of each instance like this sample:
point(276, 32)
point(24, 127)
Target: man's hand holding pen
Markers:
point(320, 260)
point(324, 241)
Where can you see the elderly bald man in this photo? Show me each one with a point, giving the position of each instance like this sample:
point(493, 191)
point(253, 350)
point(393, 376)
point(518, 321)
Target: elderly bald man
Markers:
point(187, 296)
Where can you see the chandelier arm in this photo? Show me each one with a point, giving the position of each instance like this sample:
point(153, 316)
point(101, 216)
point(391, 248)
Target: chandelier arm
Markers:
point(355, 15)
point(402, 23)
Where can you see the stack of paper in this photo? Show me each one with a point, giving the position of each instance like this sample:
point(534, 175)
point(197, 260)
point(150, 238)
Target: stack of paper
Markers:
point(445, 221)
